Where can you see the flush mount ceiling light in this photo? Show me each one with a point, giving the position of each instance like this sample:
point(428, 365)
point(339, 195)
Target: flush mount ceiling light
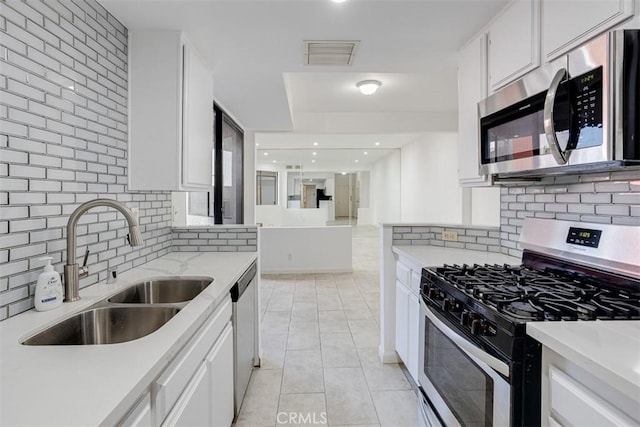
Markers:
point(338, 1)
point(368, 87)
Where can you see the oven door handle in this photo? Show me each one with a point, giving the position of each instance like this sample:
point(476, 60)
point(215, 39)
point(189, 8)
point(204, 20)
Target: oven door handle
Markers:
point(494, 363)
point(549, 128)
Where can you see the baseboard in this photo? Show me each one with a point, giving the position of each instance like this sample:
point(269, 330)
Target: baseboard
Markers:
point(388, 356)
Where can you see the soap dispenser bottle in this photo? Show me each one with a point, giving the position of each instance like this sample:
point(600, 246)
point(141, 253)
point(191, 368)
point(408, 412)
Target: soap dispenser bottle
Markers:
point(49, 293)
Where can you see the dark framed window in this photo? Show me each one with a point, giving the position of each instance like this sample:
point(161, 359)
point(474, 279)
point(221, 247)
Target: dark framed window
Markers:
point(224, 203)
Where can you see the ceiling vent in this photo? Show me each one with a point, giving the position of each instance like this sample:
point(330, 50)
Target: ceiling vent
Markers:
point(330, 52)
point(294, 167)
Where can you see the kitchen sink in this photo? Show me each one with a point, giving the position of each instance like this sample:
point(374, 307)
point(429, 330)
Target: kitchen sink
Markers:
point(105, 325)
point(165, 290)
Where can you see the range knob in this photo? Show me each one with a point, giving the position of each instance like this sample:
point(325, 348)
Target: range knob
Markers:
point(432, 293)
point(465, 316)
point(448, 304)
point(476, 326)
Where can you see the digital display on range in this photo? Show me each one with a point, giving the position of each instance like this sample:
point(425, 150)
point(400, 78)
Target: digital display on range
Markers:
point(584, 237)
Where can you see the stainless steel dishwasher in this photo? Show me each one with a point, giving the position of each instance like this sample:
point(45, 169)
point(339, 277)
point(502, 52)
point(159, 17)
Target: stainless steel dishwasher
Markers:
point(244, 318)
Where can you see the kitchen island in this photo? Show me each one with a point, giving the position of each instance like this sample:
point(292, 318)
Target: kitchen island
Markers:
point(99, 384)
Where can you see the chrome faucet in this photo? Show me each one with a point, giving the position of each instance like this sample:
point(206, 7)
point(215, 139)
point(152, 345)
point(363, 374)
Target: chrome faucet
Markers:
point(72, 272)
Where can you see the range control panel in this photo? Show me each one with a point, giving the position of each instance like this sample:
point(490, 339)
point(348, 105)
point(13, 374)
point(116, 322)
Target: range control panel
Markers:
point(584, 237)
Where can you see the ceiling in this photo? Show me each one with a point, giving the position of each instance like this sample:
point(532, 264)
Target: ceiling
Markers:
point(255, 49)
point(327, 160)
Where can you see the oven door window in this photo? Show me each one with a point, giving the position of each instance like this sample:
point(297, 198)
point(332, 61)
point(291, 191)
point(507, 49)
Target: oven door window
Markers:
point(467, 389)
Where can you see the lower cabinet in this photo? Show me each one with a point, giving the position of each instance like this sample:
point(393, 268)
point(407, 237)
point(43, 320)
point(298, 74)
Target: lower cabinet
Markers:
point(572, 396)
point(196, 388)
point(407, 317)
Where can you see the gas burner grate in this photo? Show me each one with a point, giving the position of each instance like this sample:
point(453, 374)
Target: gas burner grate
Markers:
point(550, 294)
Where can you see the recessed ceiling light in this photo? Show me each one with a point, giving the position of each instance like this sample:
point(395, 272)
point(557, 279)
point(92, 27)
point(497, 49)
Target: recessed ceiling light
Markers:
point(368, 87)
point(315, 143)
point(257, 144)
point(377, 143)
point(314, 153)
point(366, 153)
point(313, 161)
point(273, 161)
point(266, 154)
point(357, 160)
point(344, 173)
point(338, 1)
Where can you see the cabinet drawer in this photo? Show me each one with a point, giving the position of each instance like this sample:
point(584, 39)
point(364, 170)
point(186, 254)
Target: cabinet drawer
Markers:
point(173, 381)
point(574, 404)
point(140, 415)
point(403, 274)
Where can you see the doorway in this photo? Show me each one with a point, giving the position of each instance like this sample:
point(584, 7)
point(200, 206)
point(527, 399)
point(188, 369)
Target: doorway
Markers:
point(346, 197)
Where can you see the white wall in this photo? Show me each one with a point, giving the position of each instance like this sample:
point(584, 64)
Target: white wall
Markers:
point(305, 249)
point(485, 206)
point(429, 184)
point(385, 184)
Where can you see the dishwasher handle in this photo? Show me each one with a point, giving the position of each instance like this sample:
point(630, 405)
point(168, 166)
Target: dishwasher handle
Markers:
point(243, 283)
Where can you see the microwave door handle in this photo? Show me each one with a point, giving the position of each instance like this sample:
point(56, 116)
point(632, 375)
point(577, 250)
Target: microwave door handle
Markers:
point(549, 128)
point(469, 348)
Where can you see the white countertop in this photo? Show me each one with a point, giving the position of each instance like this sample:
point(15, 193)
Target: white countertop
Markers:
point(609, 349)
point(97, 384)
point(430, 256)
point(440, 224)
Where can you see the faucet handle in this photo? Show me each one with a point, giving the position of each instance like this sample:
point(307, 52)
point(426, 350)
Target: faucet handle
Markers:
point(86, 257)
point(84, 270)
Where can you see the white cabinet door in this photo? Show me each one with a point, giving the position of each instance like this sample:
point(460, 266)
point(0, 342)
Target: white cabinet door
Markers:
point(514, 42)
point(413, 335)
point(220, 364)
point(170, 114)
point(402, 321)
point(192, 409)
point(197, 117)
point(567, 23)
point(472, 88)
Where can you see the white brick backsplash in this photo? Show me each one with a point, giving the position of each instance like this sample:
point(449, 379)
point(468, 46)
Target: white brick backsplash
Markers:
point(621, 210)
point(599, 198)
point(12, 184)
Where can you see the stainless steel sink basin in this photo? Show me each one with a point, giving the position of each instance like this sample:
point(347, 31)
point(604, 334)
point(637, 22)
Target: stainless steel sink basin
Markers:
point(106, 325)
point(165, 290)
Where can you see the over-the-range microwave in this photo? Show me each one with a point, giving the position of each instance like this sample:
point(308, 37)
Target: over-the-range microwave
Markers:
point(580, 112)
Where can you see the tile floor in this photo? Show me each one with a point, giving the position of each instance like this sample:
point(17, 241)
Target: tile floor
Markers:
point(320, 362)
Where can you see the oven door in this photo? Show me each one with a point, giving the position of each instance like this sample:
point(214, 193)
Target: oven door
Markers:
point(462, 382)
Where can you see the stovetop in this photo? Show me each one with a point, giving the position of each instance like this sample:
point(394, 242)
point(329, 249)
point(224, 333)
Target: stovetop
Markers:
point(491, 304)
point(522, 294)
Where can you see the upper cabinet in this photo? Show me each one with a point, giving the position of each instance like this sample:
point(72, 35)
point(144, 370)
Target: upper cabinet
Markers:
point(567, 23)
point(170, 113)
point(514, 42)
point(472, 88)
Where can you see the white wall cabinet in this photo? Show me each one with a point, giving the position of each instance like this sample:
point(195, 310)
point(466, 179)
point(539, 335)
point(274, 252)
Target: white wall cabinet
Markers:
point(472, 88)
point(170, 113)
point(567, 24)
point(514, 42)
point(408, 316)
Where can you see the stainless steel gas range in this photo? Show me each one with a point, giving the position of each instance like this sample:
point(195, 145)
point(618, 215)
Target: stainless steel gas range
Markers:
point(478, 367)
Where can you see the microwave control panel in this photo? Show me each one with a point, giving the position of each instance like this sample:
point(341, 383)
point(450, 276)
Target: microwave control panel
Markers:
point(587, 95)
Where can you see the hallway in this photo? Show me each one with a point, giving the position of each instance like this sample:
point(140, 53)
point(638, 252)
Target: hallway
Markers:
point(320, 364)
